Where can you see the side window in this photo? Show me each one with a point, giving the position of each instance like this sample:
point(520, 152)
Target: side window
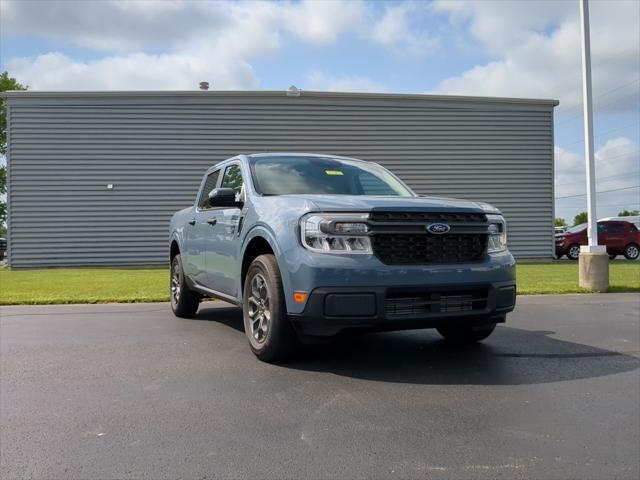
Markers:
point(232, 178)
point(602, 228)
point(617, 228)
point(209, 184)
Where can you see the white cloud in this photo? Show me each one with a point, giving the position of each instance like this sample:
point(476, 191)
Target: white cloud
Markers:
point(212, 41)
point(617, 167)
point(536, 51)
point(135, 71)
point(569, 177)
point(324, 82)
point(398, 31)
point(619, 157)
point(322, 21)
point(113, 25)
point(498, 25)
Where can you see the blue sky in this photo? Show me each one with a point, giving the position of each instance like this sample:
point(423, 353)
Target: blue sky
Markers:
point(503, 48)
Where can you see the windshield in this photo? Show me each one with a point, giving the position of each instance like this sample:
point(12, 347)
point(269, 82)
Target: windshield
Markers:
point(323, 175)
point(577, 228)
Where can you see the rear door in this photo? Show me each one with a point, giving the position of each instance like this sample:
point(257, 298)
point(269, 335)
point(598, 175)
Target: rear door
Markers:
point(223, 248)
point(616, 236)
point(198, 231)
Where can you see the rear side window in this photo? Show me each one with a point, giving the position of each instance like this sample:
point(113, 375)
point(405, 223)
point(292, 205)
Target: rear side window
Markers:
point(209, 184)
point(232, 178)
point(617, 228)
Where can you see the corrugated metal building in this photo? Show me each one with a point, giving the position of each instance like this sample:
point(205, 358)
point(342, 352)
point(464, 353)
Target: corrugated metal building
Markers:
point(67, 148)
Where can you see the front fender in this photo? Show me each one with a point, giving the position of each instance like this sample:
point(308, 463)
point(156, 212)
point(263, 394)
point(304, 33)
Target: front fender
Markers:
point(264, 231)
point(176, 236)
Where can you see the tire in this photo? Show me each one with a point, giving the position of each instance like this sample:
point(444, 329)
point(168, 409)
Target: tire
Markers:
point(573, 252)
point(184, 301)
point(465, 334)
point(631, 251)
point(270, 334)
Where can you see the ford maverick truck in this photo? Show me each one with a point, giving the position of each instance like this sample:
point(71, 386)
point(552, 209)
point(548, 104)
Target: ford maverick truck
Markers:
point(311, 245)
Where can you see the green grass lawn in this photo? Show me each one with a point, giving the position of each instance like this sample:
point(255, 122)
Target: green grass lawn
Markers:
point(83, 285)
point(102, 285)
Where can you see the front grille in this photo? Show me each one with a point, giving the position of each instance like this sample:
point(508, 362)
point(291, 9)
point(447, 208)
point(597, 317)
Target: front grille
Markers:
point(429, 217)
point(421, 304)
point(421, 248)
point(401, 238)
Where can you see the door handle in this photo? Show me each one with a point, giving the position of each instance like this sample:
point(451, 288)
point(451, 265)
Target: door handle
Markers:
point(212, 221)
point(192, 221)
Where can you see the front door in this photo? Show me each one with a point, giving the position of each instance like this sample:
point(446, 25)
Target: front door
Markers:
point(223, 250)
point(198, 233)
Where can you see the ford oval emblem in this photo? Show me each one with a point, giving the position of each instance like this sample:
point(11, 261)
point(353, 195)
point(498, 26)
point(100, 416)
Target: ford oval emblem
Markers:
point(438, 228)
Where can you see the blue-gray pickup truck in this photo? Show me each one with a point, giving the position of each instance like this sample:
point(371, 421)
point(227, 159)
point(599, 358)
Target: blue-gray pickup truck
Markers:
point(312, 245)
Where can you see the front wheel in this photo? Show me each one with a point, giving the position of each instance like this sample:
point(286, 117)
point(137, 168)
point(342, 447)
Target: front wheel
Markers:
point(631, 251)
point(184, 301)
point(466, 333)
point(270, 334)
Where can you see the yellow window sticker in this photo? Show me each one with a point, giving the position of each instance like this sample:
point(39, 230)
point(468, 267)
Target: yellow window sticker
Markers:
point(333, 172)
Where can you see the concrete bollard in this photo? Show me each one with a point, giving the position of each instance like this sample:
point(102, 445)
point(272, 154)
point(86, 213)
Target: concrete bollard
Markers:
point(594, 271)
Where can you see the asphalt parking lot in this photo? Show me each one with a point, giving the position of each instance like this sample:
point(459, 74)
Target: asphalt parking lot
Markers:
point(129, 391)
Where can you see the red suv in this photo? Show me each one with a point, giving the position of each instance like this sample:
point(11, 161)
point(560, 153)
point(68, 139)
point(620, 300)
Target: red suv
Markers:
point(620, 238)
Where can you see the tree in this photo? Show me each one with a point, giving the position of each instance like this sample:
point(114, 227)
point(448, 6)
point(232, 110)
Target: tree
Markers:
point(6, 83)
point(582, 217)
point(627, 213)
point(560, 222)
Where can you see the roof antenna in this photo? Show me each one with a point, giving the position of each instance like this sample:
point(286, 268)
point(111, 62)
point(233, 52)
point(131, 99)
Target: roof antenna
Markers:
point(204, 85)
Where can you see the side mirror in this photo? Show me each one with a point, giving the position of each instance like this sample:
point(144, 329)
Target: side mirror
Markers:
point(223, 197)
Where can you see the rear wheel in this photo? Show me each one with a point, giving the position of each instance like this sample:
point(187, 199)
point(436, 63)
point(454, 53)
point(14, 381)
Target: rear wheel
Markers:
point(573, 252)
point(270, 334)
point(631, 251)
point(184, 301)
point(466, 333)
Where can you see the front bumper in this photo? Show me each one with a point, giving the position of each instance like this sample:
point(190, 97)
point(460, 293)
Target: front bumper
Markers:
point(331, 310)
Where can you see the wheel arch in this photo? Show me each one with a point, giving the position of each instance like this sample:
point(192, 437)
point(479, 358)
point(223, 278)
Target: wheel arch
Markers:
point(174, 249)
point(258, 245)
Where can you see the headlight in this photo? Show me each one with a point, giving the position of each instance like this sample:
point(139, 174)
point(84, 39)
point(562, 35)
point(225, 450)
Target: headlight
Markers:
point(336, 233)
point(497, 233)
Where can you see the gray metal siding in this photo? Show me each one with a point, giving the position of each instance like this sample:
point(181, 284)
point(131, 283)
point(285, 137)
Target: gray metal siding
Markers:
point(154, 148)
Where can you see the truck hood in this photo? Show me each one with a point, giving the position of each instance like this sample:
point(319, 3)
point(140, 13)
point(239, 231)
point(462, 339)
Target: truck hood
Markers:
point(337, 203)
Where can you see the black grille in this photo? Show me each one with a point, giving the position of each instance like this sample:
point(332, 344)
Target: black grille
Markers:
point(401, 238)
point(421, 248)
point(420, 304)
point(429, 217)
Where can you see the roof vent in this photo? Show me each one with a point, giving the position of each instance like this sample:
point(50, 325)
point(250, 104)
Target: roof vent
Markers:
point(204, 85)
point(293, 91)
